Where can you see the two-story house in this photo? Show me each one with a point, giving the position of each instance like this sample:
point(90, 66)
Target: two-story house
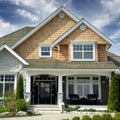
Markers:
point(63, 55)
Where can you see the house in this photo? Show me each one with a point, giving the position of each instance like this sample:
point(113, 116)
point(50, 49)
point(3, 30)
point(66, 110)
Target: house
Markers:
point(63, 55)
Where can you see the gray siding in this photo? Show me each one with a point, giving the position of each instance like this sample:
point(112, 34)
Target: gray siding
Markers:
point(9, 63)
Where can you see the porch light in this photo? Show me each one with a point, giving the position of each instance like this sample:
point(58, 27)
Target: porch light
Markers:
point(117, 72)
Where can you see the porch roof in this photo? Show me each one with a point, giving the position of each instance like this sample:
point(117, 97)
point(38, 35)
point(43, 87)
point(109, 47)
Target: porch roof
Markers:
point(56, 64)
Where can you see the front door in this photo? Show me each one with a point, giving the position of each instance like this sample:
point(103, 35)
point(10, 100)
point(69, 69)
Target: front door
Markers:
point(44, 92)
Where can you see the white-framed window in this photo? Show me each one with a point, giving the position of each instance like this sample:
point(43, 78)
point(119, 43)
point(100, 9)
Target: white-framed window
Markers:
point(6, 84)
point(45, 51)
point(83, 51)
point(83, 86)
point(96, 86)
point(70, 85)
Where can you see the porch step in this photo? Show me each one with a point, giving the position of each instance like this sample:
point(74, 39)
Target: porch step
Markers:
point(44, 109)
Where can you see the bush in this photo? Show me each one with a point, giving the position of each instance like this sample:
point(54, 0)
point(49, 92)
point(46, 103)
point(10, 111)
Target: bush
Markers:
point(4, 109)
point(9, 101)
point(19, 92)
point(21, 105)
point(69, 109)
point(76, 118)
point(117, 116)
point(107, 117)
point(86, 117)
point(96, 117)
point(113, 98)
point(65, 119)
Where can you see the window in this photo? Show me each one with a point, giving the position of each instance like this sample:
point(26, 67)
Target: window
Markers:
point(6, 84)
point(70, 85)
point(45, 51)
point(83, 86)
point(95, 86)
point(83, 52)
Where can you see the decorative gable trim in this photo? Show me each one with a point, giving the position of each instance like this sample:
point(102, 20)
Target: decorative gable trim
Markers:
point(45, 22)
point(82, 21)
point(13, 53)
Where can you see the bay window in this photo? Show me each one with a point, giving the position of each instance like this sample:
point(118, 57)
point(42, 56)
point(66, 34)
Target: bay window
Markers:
point(83, 51)
point(6, 84)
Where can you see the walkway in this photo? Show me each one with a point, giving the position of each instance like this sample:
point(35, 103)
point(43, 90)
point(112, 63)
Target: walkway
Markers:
point(50, 116)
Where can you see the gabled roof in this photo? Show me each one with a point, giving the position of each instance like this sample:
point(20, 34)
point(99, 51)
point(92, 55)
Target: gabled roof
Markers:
point(13, 37)
point(82, 21)
point(45, 22)
point(13, 53)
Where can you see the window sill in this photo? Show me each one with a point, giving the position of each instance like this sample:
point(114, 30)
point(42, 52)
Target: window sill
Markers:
point(90, 60)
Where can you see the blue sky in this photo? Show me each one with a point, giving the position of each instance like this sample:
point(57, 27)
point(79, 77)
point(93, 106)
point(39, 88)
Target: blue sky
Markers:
point(103, 14)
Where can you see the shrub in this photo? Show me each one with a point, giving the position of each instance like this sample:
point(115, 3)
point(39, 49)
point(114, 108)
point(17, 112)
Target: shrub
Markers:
point(19, 92)
point(113, 98)
point(96, 117)
point(107, 117)
point(117, 116)
point(86, 117)
point(21, 105)
point(65, 119)
point(9, 101)
point(76, 118)
point(69, 109)
point(4, 109)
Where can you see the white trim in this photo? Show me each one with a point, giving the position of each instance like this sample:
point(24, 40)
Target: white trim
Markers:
point(90, 85)
point(83, 43)
point(4, 82)
point(45, 22)
point(83, 21)
point(45, 45)
point(13, 53)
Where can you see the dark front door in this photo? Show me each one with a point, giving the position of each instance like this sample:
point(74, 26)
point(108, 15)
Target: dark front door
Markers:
point(44, 92)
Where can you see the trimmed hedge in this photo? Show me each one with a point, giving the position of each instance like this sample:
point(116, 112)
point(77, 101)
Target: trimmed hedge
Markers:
point(96, 117)
point(107, 117)
point(76, 118)
point(86, 117)
point(117, 116)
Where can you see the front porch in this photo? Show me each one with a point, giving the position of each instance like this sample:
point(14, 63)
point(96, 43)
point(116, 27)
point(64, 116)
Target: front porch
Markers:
point(39, 86)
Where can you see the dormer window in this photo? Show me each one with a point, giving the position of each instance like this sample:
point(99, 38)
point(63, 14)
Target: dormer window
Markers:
point(45, 51)
point(83, 51)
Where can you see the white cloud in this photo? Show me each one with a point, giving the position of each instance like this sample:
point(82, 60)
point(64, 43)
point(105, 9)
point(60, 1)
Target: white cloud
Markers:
point(109, 14)
point(41, 8)
point(28, 15)
point(6, 27)
point(116, 35)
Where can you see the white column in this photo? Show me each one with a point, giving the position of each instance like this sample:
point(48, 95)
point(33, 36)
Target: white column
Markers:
point(60, 91)
point(60, 85)
point(28, 84)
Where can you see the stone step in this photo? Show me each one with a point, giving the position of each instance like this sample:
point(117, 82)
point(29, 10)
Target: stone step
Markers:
point(44, 108)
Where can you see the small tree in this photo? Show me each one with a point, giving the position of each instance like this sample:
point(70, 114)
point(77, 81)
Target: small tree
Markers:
point(20, 90)
point(113, 99)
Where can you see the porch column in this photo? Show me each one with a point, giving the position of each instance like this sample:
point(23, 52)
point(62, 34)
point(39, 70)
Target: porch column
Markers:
point(60, 91)
point(27, 86)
